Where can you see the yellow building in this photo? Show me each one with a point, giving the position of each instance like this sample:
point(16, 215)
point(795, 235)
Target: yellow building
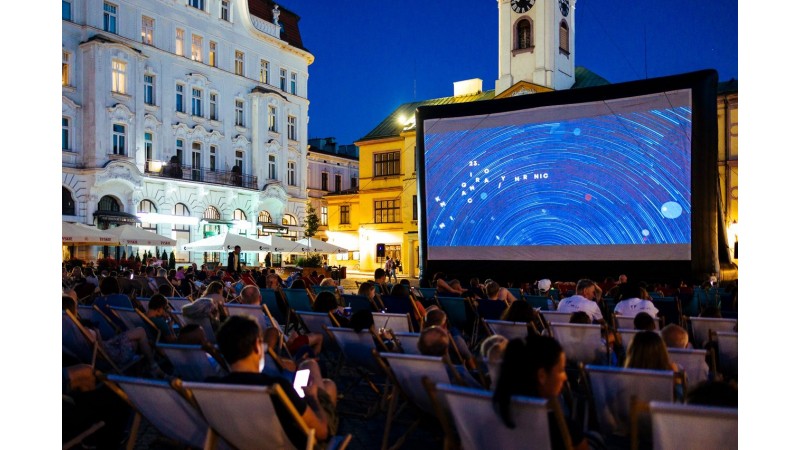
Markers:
point(728, 158)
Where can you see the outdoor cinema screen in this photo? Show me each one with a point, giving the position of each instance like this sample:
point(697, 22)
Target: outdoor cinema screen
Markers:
point(598, 179)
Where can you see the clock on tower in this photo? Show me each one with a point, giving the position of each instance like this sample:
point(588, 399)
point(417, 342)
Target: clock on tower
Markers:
point(522, 6)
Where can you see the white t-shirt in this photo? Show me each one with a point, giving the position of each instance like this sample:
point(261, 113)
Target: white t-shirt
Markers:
point(580, 303)
point(633, 306)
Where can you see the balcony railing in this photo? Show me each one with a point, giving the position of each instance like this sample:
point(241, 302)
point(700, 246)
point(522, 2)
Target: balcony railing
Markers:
point(202, 175)
point(265, 27)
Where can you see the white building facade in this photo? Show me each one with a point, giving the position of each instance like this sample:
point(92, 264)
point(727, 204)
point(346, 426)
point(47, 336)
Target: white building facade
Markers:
point(187, 116)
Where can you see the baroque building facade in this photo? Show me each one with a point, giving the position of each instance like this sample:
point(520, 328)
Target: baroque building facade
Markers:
point(188, 117)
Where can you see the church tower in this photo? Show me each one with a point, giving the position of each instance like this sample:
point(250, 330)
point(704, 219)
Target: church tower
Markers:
point(536, 46)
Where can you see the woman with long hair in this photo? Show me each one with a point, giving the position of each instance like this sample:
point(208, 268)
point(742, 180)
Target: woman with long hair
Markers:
point(648, 351)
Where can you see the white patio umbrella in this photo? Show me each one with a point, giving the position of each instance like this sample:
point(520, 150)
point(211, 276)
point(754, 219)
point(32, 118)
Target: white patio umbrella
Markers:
point(226, 243)
point(278, 244)
point(318, 246)
point(80, 234)
point(133, 235)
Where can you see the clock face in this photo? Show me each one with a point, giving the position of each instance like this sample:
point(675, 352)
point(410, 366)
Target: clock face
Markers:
point(521, 6)
point(564, 5)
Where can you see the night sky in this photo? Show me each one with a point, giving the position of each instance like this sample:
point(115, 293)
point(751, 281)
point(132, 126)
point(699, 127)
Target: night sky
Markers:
point(370, 57)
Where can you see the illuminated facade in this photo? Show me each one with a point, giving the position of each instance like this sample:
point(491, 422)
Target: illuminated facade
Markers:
point(194, 112)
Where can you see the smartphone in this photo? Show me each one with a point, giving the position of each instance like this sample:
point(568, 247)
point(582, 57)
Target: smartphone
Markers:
point(301, 381)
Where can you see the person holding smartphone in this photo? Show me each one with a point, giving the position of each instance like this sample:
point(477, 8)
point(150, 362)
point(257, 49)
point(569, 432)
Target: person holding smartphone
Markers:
point(240, 341)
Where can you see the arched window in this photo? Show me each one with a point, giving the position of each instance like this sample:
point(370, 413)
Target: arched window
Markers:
point(211, 213)
point(264, 217)
point(524, 34)
point(67, 202)
point(238, 214)
point(146, 206)
point(563, 38)
point(180, 210)
point(289, 219)
point(108, 203)
point(180, 232)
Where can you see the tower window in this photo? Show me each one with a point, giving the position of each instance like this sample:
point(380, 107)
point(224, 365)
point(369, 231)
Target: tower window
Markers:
point(563, 38)
point(524, 35)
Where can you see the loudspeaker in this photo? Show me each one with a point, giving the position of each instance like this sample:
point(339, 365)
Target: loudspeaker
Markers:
point(380, 251)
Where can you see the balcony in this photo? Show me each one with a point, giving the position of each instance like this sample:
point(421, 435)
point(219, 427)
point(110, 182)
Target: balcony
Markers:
point(265, 27)
point(201, 175)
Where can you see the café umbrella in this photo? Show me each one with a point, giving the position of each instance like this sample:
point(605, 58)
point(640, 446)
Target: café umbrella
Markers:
point(133, 235)
point(227, 242)
point(80, 234)
point(318, 246)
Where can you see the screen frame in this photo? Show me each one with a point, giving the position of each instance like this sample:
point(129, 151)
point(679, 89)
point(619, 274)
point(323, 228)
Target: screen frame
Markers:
point(704, 195)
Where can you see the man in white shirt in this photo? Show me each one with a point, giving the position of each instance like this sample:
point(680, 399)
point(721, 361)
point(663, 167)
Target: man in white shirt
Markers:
point(584, 291)
point(632, 304)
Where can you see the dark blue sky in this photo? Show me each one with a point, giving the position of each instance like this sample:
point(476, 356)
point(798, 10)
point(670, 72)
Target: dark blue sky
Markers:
point(372, 56)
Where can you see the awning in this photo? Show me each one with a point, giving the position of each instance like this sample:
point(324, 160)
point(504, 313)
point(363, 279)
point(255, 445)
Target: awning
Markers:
point(116, 217)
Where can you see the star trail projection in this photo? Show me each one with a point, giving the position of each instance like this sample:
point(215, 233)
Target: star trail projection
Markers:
point(606, 174)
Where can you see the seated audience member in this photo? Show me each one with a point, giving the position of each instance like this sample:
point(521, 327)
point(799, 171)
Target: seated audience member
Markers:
point(400, 290)
point(438, 318)
point(519, 311)
point(240, 342)
point(536, 367)
point(675, 336)
point(367, 289)
point(435, 341)
point(492, 290)
point(326, 302)
point(110, 296)
point(582, 301)
point(299, 283)
point(648, 351)
point(216, 292)
point(476, 289)
point(492, 350)
point(362, 320)
point(381, 282)
point(633, 302)
point(201, 310)
point(122, 348)
point(443, 288)
point(644, 321)
point(157, 313)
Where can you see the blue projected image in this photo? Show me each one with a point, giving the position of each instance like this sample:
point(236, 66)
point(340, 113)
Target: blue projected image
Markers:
point(609, 179)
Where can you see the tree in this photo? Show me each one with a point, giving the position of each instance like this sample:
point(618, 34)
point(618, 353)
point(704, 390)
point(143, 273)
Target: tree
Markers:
point(137, 258)
point(164, 255)
point(312, 221)
point(171, 259)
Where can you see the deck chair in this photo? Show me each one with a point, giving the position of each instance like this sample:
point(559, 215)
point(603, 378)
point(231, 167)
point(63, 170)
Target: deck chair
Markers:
point(509, 330)
point(255, 311)
point(177, 303)
point(700, 326)
point(402, 305)
point(670, 309)
point(406, 372)
point(480, 427)
point(317, 289)
point(626, 336)
point(224, 405)
point(580, 341)
point(104, 324)
point(626, 322)
point(427, 293)
point(395, 322)
point(358, 302)
point(612, 390)
point(456, 310)
point(144, 302)
point(134, 318)
point(408, 342)
point(315, 322)
point(79, 341)
point(693, 426)
point(92, 429)
point(356, 351)
point(204, 323)
point(194, 362)
point(728, 355)
point(693, 363)
point(297, 299)
point(555, 316)
point(539, 302)
point(275, 305)
point(164, 407)
point(490, 309)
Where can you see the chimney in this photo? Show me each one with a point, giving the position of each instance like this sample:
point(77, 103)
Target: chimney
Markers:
point(467, 87)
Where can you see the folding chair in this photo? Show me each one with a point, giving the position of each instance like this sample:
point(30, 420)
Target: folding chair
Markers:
point(205, 324)
point(670, 309)
point(581, 342)
point(164, 407)
point(275, 304)
point(134, 318)
point(359, 302)
point(612, 390)
point(317, 289)
point(194, 362)
point(427, 293)
point(626, 322)
point(456, 310)
point(728, 355)
point(700, 327)
point(395, 322)
point(224, 406)
point(257, 312)
point(509, 330)
point(408, 342)
point(315, 322)
point(356, 351)
point(555, 316)
point(177, 303)
point(626, 336)
point(406, 372)
point(539, 302)
point(480, 427)
point(297, 299)
point(403, 305)
point(693, 363)
point(104, 324)
point(490, 309)
point(693, 426)
point(144, 302)
point(76, 338)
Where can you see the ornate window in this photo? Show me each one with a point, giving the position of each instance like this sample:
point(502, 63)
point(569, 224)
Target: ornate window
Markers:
point(272, 168)
point(118, 80)
point(118, 139)
point(211, 213)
